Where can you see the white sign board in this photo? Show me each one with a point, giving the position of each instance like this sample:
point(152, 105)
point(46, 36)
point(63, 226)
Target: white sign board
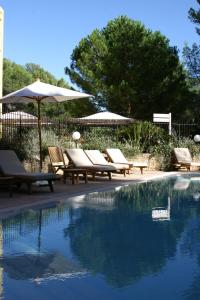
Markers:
point(163, 118)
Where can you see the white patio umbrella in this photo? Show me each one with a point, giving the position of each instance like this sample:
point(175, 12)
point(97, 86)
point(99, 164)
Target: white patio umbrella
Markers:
point(18, 118)
point(105, 115)
point(17, 115)
point(42, 92)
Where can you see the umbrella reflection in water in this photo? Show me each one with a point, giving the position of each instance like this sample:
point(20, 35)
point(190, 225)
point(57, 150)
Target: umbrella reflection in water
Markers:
point(40, 267)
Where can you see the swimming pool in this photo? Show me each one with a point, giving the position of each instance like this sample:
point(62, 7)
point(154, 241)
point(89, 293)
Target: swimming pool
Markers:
point(136, 242)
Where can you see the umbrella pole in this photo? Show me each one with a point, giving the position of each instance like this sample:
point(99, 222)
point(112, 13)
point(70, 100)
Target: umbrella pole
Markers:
point(39, 133)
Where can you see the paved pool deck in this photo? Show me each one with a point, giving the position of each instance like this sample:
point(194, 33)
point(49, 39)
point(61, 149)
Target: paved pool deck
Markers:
point(65, 192)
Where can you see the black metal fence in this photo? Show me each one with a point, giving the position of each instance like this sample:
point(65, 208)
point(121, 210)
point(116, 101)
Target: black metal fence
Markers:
point(182, 129)
point(16, 126)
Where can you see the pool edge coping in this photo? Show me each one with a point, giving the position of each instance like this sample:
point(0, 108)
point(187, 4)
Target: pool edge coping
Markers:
point(58, 199)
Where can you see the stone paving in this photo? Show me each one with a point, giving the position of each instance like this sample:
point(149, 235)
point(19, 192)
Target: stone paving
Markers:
point(63, 192)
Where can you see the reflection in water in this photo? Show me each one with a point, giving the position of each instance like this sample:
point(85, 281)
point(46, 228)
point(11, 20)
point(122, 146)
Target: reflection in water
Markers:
point(161, 213)
point(181, 184)
point(40, 267)
point(99, 201)
point(107, 245)
point(123, 244)
point(126, 240)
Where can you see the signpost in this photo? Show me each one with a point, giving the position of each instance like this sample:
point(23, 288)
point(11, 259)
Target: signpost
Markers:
point(163, 118)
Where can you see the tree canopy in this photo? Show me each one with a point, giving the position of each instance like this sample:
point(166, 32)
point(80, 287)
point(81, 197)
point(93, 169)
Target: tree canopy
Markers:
point(191, 56)
point(194, 16)
point(16, 76)
point(130, 70)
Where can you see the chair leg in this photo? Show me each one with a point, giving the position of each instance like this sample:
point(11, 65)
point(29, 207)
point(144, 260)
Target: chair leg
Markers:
point(73, 179)
point(77, 178)
point(18, 185)
point(64, 177)
point(109, 175)
point(141, 170)
point(85, 177)
point(29, 186)
point(10, 190)
point(50, 185)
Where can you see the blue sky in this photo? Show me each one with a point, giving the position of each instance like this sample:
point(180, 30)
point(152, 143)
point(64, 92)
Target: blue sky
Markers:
point(46, 31)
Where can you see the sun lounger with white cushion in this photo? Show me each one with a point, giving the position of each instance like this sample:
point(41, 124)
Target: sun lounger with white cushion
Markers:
point(60, 165)
point(184, 159)
point(97, 158)
point(10, 165)
point(116, 156)
point(80, 160)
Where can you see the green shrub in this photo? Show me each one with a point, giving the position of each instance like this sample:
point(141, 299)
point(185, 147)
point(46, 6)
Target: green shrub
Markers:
point(30, 143)
point(102, 138)
point(144, 135)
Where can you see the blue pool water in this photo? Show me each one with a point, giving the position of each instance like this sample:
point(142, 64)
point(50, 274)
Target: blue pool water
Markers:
point(136, 242)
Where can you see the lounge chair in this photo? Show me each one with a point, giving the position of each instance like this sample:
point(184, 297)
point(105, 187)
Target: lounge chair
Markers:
point(116, 156)
point(183, 159)
point(60, 163)
point(97, 158)
point(80, 160)
point(57, 159)
point(11, 166)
